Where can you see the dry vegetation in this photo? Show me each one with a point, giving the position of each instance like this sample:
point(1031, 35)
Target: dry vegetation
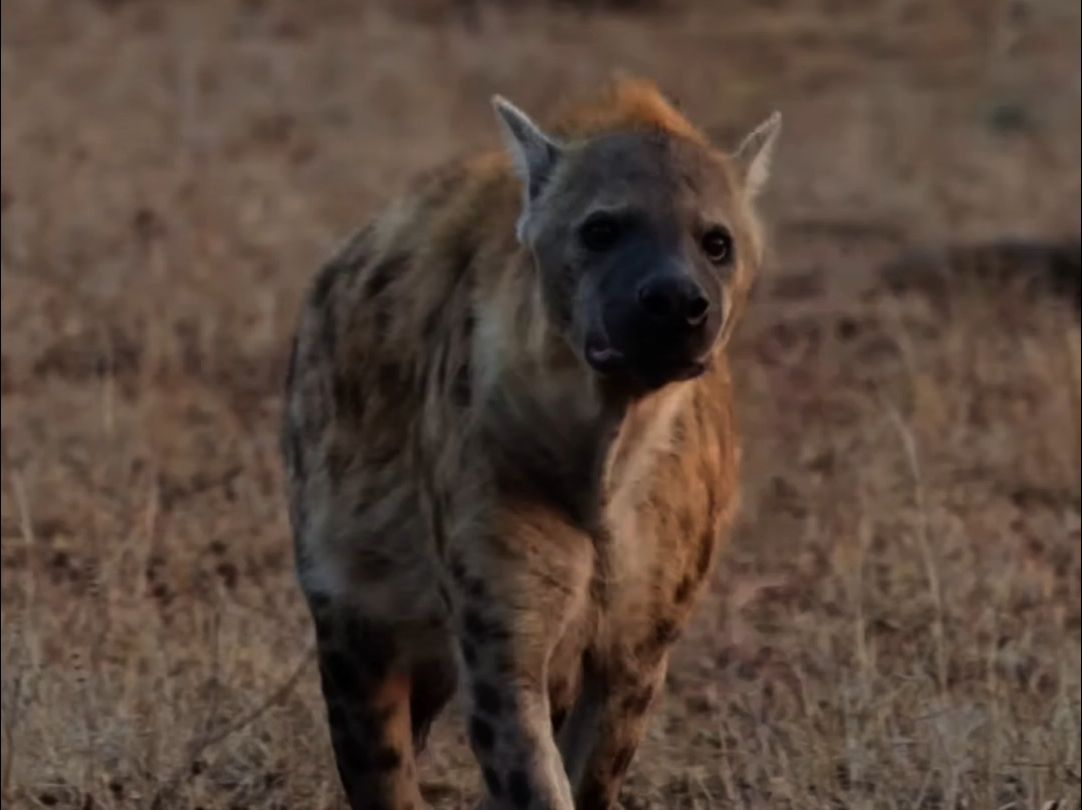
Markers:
point(896, 623)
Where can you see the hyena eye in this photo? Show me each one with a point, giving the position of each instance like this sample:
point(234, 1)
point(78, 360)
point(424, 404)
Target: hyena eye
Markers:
point(600, 232)
point(717, 244)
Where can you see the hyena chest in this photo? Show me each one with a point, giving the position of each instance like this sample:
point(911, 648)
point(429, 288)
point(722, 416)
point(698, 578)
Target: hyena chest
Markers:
point(550, 448)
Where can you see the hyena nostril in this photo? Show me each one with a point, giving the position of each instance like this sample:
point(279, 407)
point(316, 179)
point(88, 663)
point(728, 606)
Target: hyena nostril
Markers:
point(696, 310)
point(674, 301)
point(658, 298)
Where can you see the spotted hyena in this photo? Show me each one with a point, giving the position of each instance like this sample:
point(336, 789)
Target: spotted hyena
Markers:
point(510, 445)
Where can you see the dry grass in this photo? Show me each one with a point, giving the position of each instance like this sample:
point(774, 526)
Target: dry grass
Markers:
point(895, 625)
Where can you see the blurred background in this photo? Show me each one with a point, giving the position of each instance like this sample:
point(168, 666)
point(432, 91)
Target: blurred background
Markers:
point(896, 622)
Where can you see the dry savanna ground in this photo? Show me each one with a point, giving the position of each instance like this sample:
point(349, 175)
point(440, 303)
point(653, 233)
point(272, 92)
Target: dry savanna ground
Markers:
point(896, 622)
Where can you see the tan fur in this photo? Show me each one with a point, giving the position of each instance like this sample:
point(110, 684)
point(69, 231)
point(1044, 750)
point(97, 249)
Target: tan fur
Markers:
point(463, 486)
point(625, 104)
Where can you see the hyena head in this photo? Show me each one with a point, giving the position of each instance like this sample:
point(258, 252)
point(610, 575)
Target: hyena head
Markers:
point(642, 233)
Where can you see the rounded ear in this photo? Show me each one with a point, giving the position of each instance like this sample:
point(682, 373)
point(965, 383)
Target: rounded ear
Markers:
point(533, 153)
point(755, 153)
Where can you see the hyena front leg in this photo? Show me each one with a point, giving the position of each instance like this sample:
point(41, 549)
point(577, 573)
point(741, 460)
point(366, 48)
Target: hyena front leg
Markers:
point(515, 590)
point(366, 686)
point(607, 723)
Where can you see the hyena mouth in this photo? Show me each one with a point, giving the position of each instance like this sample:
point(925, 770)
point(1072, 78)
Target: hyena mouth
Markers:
point(659, 373)
point(604, 358)
point(689, 371)
point(650, 371)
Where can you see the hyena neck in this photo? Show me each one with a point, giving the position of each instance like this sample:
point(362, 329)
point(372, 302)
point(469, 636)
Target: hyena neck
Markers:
point(541, 418)
point(551, 427)
point(648, 427)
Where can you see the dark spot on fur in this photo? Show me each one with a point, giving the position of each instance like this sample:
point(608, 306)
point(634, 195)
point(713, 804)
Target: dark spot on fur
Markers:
point(462, 260)
point(293, 445)
point(846, 328)
point(381, 320)
point(370, 719)
point(458, 568)
point(622, 760)
point(518, 788)
point(346, 392)
point(386, 759)
point(372, 644)
point(291, 365)
point(444, 352)
point(324, 629)
point(438, 532)
point(381, 276)
point(665, 632)
point(712, 504)
point(322, 300)
point(431, 326)
point(462, 389)
point(390, 376)
point(595, 796)
point(324, 284)
point(599, 592)
point(678, 432)
point(686, 521)
point(473, 624)
point(375, 564)
point(560, 688)
point(638, 702)
point(562, 695)
point(476, 588)
point(486, 698)
point(338, 462)
point(433, 685)
point(469, 653)
point(492, 781)
point(357, 632)
point(683, 590)
point(500, 661)
point(337, 718)
point(479, 628)
point(558, 716)
point(338, 667)
point(376, 660)
point(706, 550)
point(328, 332)
point(355, 254)
point(481, 734)
point(351, 750)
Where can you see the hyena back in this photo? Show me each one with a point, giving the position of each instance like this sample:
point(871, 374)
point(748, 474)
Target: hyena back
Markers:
point(510, 446)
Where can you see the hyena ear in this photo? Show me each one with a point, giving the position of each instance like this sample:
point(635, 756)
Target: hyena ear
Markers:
point(534, 153)
point(755, 153)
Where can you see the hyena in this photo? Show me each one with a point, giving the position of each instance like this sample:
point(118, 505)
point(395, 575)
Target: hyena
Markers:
point(510, 445)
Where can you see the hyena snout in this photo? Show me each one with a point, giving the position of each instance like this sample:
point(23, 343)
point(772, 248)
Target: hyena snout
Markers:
point(660, 330)
point(675, 303)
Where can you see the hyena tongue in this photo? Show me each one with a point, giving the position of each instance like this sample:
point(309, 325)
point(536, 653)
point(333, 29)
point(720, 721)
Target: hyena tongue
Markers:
point(603, 354)
point(603, 357)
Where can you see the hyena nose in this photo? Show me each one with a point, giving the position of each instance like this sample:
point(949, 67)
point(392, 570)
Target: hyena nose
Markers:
point(674, 301)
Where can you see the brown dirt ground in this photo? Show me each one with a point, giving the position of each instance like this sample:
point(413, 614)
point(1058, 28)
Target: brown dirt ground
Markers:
point(896, 622)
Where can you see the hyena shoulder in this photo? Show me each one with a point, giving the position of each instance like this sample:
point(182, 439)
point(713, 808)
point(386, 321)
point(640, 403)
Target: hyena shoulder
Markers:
point(396, 296)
